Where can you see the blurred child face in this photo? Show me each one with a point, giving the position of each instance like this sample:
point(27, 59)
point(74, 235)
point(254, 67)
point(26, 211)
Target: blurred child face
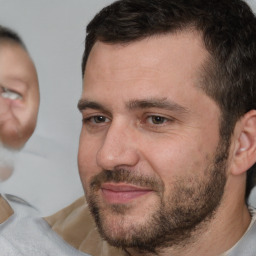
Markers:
point(19, 102)
point(19, 95)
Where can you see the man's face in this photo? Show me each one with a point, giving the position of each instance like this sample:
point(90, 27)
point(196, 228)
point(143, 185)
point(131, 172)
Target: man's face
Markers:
point(19, 95)
point(150, 155)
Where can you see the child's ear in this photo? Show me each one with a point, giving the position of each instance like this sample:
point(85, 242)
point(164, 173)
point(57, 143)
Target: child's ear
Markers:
point(245, 146)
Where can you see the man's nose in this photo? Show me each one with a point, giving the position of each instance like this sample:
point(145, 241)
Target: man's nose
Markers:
point(119, 148)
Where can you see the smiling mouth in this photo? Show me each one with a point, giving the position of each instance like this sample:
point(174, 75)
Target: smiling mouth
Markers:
point(121, 193)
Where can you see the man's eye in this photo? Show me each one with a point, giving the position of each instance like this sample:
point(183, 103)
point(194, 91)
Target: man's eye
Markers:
point(97, 119)
point(156, 119)
point(10, 94)
point(100, 119)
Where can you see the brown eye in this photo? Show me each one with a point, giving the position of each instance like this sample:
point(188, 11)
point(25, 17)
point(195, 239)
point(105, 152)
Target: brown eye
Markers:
point(157, 119)
point(100, 119)
point(96, 120)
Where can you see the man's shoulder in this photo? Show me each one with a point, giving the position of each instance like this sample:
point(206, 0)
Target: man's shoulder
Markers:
point(77, 227)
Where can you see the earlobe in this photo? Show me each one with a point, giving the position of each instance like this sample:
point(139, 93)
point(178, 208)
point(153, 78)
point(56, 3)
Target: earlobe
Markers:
point(245, 151)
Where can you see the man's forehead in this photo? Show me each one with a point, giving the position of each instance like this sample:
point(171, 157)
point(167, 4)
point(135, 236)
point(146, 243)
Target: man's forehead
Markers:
point(172, 60)
point(185, 47)
point(187, 35)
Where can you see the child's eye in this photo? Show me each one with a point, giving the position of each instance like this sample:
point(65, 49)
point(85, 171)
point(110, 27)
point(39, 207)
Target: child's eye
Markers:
point(10, 94)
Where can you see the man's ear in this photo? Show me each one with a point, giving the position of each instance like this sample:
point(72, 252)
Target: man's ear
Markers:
point(244, 155)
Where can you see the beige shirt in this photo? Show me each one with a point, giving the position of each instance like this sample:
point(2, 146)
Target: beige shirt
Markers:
point(5, 210)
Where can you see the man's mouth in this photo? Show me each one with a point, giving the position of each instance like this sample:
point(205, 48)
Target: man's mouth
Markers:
point(121, 193)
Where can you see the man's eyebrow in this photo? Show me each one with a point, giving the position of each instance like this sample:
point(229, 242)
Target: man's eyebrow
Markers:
point(156, 103)
point(136, 104)
point(84, 104)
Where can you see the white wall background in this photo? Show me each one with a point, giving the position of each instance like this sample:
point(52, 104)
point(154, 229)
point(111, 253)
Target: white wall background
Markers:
point(53, 30)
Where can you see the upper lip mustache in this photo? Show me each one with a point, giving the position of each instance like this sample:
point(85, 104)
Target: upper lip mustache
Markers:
point(123, 187)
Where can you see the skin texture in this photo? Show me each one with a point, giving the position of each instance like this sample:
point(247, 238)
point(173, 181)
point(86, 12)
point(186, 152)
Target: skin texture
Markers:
point(17, 116)
point(146, 119)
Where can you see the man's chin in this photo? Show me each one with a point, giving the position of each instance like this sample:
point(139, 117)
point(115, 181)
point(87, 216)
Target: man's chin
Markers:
point(121, 224)
point(120, 229)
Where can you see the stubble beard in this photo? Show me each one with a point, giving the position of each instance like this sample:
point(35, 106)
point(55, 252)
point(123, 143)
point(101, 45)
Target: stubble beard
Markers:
point(172, 220)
